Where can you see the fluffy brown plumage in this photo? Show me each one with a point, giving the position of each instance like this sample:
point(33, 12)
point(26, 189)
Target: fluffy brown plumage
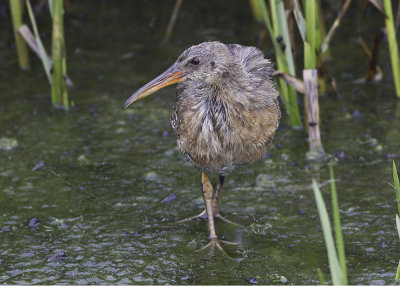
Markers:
point(226, 111)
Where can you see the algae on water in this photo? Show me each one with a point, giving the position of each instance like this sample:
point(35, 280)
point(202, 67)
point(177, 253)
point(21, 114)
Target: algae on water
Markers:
point(8, 143)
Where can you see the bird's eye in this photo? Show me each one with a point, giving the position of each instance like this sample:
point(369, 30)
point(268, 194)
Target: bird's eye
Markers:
point(195, 61)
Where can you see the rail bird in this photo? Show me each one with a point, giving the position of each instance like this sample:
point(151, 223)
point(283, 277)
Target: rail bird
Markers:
point(226, 112)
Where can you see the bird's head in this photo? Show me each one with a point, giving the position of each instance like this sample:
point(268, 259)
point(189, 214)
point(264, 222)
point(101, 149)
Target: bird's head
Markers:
point(207, 62)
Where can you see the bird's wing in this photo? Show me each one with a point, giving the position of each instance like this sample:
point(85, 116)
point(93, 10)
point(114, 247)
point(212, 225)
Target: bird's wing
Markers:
point(259, 68)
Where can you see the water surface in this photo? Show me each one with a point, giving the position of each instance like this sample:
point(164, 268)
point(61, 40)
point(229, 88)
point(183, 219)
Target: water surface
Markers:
point(95, 178)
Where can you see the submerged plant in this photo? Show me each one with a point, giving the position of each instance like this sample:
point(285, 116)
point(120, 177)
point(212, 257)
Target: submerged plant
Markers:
point(336, 255)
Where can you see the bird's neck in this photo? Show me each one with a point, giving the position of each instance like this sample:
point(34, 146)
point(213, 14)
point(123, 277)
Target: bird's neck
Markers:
point(231, 86)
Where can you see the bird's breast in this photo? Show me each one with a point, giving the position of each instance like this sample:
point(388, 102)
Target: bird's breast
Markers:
point(217, 135)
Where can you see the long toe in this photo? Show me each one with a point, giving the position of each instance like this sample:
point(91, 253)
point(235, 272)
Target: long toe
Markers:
point(203, 214)
point(216, 243)
point(219, 216)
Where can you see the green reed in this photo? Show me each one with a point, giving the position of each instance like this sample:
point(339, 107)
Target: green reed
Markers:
point(43, 55)
point(284, 58)
point(393, 47)
point(310, 43)
point(16, 8)
point(397, 190)
point(59, 93)
point(336, 255)
point(56, 67)
point(255, 10)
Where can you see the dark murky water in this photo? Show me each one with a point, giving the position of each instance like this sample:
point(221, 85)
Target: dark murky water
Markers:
point(95, 178)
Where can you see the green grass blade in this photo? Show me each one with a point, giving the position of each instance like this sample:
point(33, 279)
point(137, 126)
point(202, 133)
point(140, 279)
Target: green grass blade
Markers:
point(59, 92)
point(287, 93)
point(334, 27)
point(310, 60)
point(317, 32)
point(393, 48)
point(293, 107)
point(309, 57)
point(50, 2)
point(301, 23)
point(321, 276)
point(397, 276)
point(310, 22)
point(43, 55)
point(274, 17)
point(397, 190)
point(22, 49)
point(397, 186)
point(284, 31)
point(267, 21)
point(336, 271)
point(337, 226)
point(255, 9)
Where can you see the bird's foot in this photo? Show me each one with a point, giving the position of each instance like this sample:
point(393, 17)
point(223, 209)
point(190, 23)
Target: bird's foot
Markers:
point(203, 214)
point(216, 242)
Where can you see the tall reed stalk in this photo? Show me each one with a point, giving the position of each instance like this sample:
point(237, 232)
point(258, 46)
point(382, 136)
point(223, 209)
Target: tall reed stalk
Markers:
point(336, 255)
point(310, 44)
point(16, 7)
point(255, 10)
point(55, 69)
point(284, 55)
point(42, 52)
point(393, 48)
point(280, 26)
point(59, 93)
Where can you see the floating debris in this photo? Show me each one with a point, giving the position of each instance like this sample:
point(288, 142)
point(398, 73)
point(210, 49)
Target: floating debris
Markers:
point(170, 198)
point(356, 114)
point(83, 160)
point(251, 280)
point(151, 176)
point(60, 255)
point(38, 166)
point(34, 222)
point(8, 143)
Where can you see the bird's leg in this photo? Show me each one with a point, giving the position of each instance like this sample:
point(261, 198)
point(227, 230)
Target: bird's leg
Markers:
point(218, 190)
point(215, 201)
point(215, 211)
point(207, 191)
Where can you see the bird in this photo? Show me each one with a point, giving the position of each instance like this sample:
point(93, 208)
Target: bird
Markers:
point(226, 113)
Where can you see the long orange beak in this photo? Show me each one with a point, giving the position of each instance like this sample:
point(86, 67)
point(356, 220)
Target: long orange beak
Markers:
point(170, 76)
